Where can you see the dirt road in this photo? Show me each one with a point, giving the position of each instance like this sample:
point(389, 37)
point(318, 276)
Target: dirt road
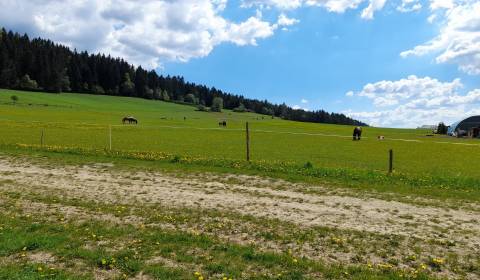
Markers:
point(258, 197)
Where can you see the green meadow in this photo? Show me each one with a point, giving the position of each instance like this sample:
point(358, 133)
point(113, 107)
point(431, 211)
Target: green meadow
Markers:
point(167, 200)
point(83, 121)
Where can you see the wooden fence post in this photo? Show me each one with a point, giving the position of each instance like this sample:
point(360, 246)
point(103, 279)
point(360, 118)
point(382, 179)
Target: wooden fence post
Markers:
point(41, 139)
point(390, 162)
point(248, 141)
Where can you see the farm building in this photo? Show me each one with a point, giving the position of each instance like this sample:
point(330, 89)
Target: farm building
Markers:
point(467, 127)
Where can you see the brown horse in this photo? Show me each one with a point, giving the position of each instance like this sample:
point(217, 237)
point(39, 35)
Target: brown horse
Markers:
point(130, 120)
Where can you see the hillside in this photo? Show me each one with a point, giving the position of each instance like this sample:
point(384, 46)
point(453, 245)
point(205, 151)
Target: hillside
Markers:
point(81, 120)
point(42, 65)
point(174, 197)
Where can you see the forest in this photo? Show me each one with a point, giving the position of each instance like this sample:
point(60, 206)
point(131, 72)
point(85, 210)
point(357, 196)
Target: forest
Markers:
point(42, 65)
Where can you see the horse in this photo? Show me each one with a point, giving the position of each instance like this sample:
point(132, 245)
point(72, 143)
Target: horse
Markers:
point(130, 120)
point(224, 124)
point(357, 133)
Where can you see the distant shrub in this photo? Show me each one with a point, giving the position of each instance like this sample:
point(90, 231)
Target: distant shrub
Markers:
point(14, 98)
point(190, 98)
point(442, 128)
point(27, 83)
point(175, 159)
point(308, 165)
point(217, 104)
point(240, 109)
point(96, 89)
point(165, 96)
point(157, 94)
point(202, 108)
point(148, 93)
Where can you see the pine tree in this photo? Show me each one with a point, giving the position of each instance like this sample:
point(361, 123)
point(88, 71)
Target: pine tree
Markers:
point(53, 67)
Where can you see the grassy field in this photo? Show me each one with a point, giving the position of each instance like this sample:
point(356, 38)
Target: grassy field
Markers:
point(75, 120)
point(175, 198)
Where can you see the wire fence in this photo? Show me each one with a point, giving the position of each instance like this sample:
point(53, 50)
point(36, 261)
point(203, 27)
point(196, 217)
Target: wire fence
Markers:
point(326, 149)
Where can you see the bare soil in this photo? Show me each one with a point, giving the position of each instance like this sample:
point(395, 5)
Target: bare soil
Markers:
point(246, 195)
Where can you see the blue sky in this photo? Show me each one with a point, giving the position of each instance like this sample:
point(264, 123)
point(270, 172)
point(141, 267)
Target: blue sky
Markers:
point(399, 63)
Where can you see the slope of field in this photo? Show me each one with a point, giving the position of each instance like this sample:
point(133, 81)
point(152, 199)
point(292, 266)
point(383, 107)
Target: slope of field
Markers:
point(76, 120)
point(98, 222)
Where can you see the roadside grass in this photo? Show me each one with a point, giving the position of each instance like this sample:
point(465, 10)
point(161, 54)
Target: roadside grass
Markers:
point(87, 247)
point(123, 251)
point(364, 249)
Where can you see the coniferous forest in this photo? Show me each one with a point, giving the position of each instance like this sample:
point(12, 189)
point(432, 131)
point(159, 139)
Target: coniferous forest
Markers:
point(41, 65)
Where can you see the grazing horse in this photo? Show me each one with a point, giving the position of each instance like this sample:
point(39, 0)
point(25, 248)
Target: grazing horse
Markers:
point(357, 133)
point(224, 124)
point(130, 120)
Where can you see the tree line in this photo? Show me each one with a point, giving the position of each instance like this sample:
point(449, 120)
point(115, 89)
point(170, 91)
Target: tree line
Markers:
point(42, 65)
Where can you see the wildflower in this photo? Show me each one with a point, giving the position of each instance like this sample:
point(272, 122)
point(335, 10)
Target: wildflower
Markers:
point(39, 268)
point(295, 260)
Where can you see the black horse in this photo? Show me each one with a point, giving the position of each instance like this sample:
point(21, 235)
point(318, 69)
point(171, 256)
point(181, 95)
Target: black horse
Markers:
point(357, 133)
point(130, 120)
point(224, 124)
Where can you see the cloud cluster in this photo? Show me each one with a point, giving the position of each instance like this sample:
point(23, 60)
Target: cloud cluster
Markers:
point(150, 32)
point(415, 101)
point(459, 38)
point(146, 32)
point(337, 6)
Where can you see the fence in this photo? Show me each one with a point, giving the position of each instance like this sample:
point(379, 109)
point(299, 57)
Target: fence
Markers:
point(250, 143)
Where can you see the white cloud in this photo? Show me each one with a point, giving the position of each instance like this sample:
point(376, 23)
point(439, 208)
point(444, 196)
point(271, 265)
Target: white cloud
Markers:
point(415, 101)
point(304, 101)
point(281, 4)
point(337, 6)
point(441, 4)
point(409, 6)
point(459, 38)
point(283, 20)
point(147, 32)
point(374, 6)
point(349, 94)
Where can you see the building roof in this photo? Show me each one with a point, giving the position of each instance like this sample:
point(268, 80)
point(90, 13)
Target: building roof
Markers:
point(465, 124)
